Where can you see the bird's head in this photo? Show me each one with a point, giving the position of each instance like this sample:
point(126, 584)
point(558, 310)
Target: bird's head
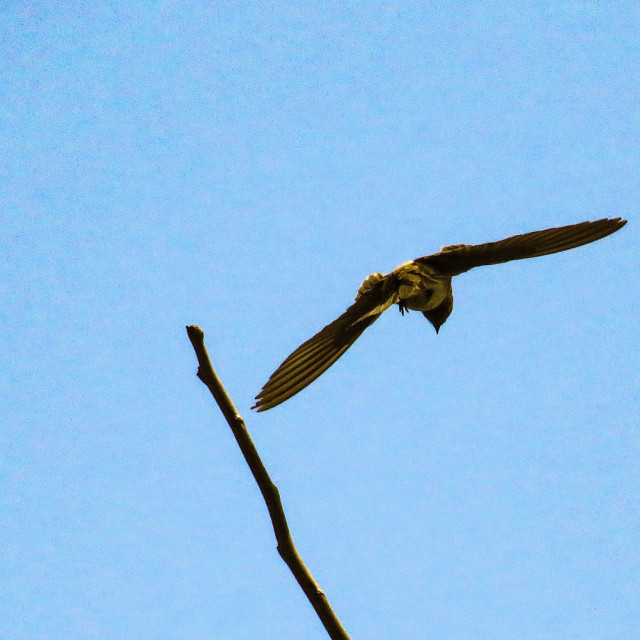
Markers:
point(438, 316)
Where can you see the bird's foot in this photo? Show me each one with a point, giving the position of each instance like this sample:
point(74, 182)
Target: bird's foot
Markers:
point(403, 307)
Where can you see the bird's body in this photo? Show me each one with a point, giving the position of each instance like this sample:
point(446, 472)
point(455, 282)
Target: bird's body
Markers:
point(422, 285)
point(421, 288)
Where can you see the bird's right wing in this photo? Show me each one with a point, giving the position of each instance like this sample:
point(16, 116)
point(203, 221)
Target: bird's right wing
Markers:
point(312, 358)
point(457, 259)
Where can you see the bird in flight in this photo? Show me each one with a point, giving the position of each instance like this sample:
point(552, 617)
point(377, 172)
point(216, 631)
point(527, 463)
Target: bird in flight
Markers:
point(423, 284)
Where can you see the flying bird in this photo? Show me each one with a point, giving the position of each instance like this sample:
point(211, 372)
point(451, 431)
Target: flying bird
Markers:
point(424, 284)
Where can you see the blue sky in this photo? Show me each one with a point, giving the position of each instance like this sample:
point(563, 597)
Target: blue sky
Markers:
point(243, 166)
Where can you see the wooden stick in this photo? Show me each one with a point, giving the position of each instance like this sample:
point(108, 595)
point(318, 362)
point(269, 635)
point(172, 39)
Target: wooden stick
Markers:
point(270, 493)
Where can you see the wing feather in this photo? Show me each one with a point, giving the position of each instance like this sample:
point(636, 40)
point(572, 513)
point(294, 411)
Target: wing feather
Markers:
point(312, 358)
point(457, 259)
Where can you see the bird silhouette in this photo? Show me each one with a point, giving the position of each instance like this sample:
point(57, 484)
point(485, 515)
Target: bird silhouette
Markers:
point(424, 284)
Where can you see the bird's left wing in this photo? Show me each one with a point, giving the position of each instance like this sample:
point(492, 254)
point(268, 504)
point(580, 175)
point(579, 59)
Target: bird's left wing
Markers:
point(457, 259)
point(312, 358)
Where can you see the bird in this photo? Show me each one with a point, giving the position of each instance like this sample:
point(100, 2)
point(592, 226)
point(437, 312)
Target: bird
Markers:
point(423, 284)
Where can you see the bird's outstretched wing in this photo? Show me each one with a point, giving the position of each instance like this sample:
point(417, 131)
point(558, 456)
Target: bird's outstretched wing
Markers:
point(316, 355)
point(457, 259)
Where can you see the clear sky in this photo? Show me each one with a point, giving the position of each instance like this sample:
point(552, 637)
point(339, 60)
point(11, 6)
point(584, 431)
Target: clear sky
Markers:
point(243, 166)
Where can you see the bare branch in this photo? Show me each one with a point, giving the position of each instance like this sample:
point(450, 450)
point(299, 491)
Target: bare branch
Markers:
point(270, 493)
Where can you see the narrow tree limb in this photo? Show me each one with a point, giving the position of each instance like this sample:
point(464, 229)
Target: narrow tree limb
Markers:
point(270, 493)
